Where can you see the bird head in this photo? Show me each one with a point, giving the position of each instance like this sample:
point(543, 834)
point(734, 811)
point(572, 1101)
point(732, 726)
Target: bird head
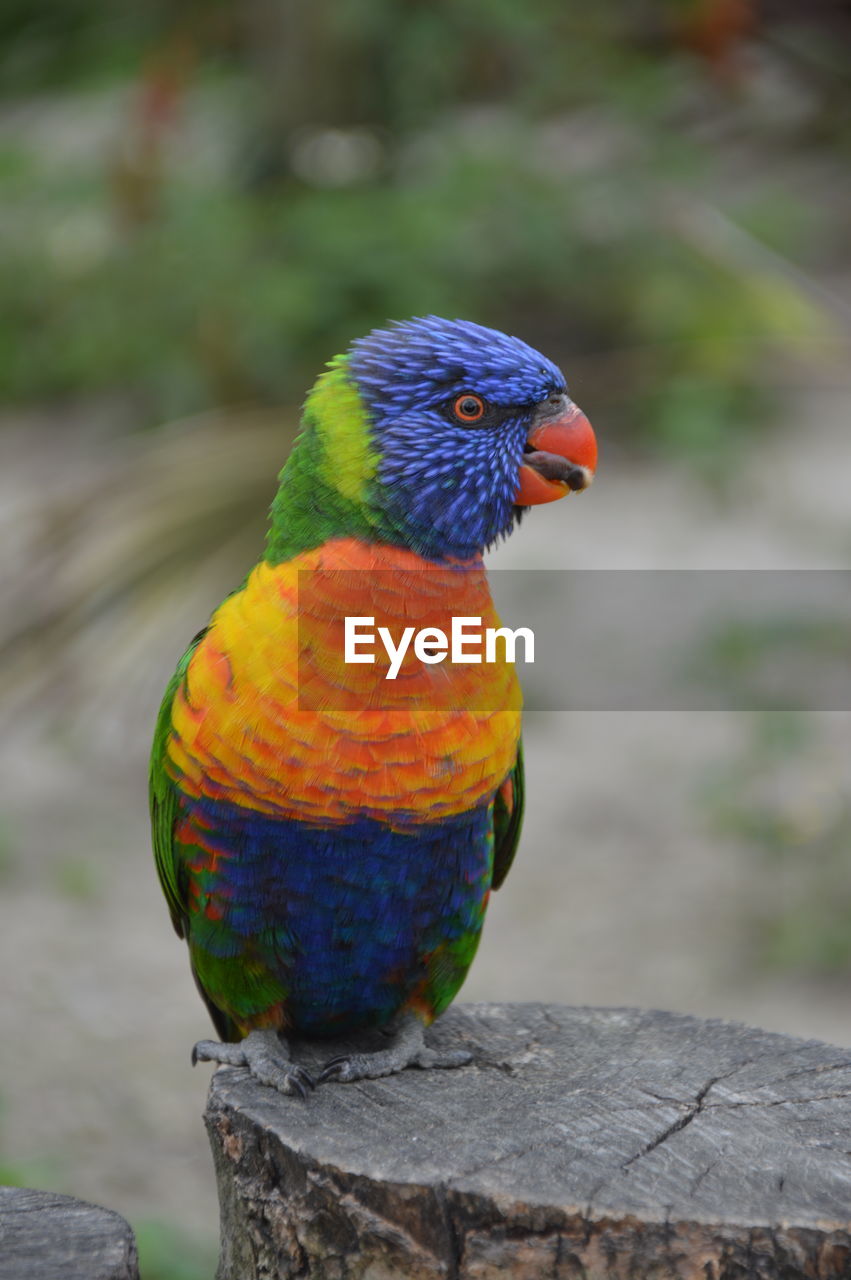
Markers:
point(433, 434)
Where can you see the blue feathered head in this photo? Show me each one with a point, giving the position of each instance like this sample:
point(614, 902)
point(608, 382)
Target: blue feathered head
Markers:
point(452, 406)
point(431, 434)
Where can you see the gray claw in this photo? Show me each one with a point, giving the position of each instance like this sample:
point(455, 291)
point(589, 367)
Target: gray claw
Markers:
point(333, 1070)
point(302, 1081)
point(264, 1053)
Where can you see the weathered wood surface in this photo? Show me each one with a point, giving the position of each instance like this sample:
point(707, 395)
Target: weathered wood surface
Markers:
point(49, 1237)
point(581, 1143)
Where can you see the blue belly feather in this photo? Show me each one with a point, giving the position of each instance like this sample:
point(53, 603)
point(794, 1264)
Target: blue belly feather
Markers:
point(346, 917)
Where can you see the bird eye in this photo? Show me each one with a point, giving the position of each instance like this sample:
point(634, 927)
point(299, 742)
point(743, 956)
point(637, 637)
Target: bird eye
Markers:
point(468, 408)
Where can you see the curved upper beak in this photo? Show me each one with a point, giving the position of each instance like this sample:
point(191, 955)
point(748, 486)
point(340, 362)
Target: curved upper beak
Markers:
point(560, 455)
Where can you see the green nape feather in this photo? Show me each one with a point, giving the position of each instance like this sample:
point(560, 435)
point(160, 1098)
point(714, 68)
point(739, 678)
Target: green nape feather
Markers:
point(324, 486)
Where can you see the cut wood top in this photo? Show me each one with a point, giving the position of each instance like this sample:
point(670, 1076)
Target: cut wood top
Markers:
point(44, 1236)
point(601, 1112)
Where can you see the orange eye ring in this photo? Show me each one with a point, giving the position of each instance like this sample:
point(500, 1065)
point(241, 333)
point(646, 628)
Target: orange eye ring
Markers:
point(469, 407)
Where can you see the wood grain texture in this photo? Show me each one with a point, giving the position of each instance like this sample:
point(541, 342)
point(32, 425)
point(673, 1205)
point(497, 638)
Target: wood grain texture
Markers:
point(581, 1143)
point(50, 1237)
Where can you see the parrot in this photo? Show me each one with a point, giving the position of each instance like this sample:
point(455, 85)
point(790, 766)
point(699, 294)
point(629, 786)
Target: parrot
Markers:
point(327, 838)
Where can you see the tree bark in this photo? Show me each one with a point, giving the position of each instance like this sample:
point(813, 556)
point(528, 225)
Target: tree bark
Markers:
point(50, 1237)
point(581, 1143)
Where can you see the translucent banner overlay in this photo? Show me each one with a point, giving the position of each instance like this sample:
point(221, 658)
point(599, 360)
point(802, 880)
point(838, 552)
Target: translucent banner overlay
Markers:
point(607, 640)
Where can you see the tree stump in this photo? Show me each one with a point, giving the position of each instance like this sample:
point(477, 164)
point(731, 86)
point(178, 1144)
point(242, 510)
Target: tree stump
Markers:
point(49, 1237)
point(580, 1143)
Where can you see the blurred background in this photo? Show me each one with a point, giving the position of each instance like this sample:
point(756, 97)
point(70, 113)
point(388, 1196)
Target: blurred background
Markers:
point(202, 202)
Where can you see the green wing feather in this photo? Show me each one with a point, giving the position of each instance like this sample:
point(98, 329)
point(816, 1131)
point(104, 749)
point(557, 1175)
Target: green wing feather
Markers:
point(507, 820)
point(164, 797)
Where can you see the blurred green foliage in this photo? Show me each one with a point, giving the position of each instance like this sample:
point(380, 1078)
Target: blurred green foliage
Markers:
point(43, 45)
point(225, 195)
point(77, 880)
point(758, 664)
point(40, 1173)
point(167, 1253)
point(8, 853)
point(781, 799)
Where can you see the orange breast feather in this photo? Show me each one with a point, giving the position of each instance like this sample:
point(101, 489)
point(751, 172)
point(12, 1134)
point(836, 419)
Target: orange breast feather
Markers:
point(272, 718)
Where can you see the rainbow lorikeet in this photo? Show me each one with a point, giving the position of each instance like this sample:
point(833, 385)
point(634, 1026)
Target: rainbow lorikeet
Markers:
point(326, 837)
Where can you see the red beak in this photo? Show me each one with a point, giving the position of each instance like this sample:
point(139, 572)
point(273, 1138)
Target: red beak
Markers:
point(560, 458)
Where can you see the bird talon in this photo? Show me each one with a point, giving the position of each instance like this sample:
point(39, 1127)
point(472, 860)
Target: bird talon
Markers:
point(297, 1085)
point(333, 1070)
point(264, 1056)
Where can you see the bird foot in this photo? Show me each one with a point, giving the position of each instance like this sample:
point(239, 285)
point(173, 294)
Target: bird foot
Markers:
point(408, 1050)
point(264, 1054)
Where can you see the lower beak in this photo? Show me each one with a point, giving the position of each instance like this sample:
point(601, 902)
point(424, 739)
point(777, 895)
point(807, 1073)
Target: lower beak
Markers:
point(560, 458)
